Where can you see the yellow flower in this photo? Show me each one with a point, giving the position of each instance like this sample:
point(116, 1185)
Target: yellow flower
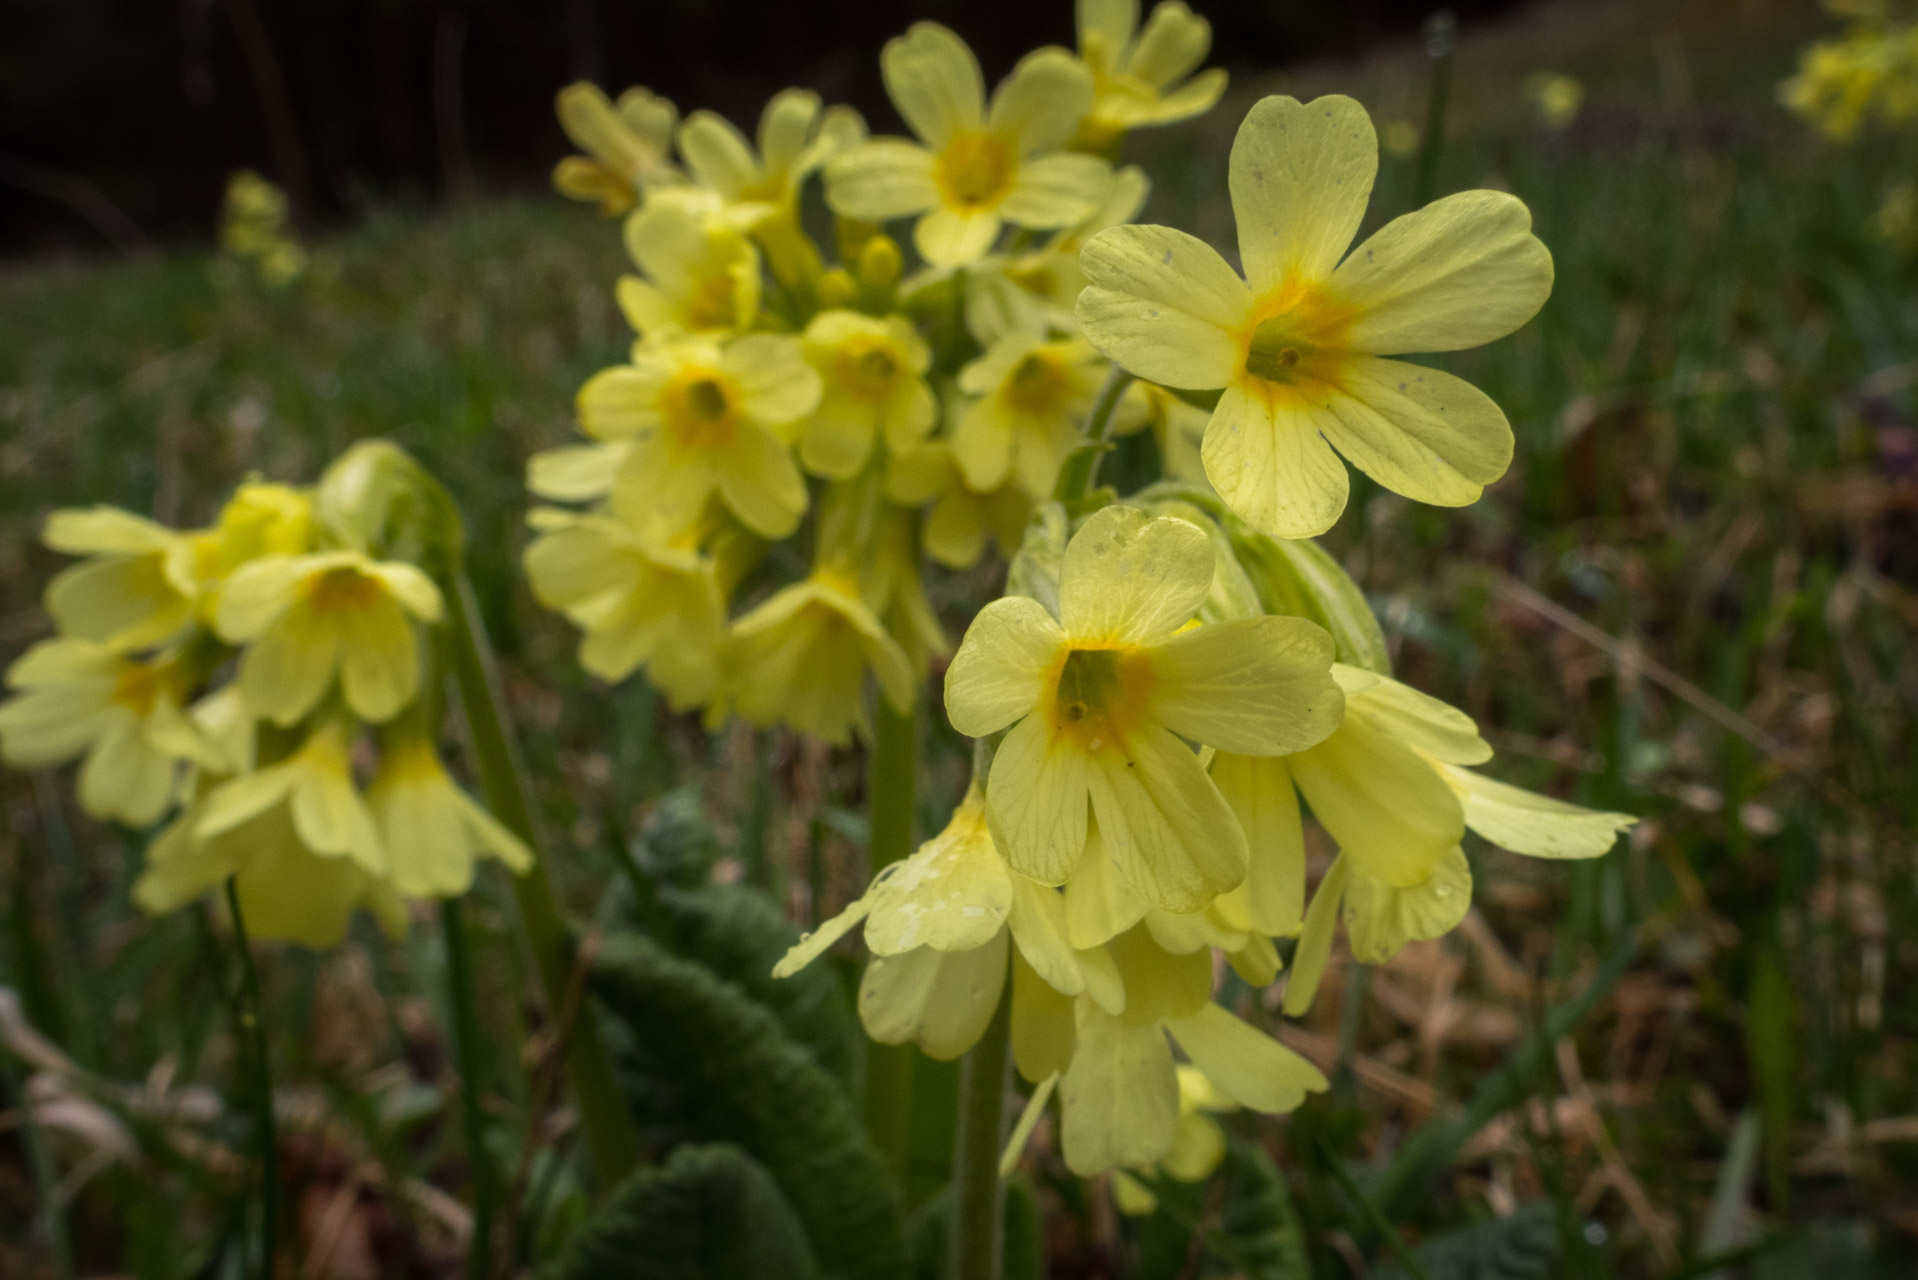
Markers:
point(431, 830)
point(315, 785)
point(961, 518)
point(1298, 345)
point(260, 519)
point(639, 598)
point(1031, 396)
point(576, 472)
point(701, 420)
point(627, 146)
point(1037, 290)
point(977, 169)
point(873, 371)
point(305, 617)
point(1198, 1144)
point(137, 586)
point(125, 715)
point(253, 225)
point(701, 275)
point(795, 138)
point(1557, 97)
point(1139, 78)
point(1119, 1098)
point(1871, 71)
point(1102, 702)
point(801, 659)
point(1179, 427)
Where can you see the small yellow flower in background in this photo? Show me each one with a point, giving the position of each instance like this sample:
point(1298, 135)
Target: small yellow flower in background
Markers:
point(1102, 700)
point(873, 373)
point(432, 831)
point(961, 519)
point(704, 420)
point(628, 146)
point(977, 169)
point(1869, 73)
point(1032, 397)
point(1038, 290)
point(1298, 344)
point(305, 617)
point(315, 786)
point(1139, 77)
point(1557, 97)
point(638, 597)
point(126, 715)
point(701, 275)
point(137, 586)
point(254, 225)
point(795, 138)
point(1896, 219)
point(1399, 138)
point(801, 659)
point(1198, 1144)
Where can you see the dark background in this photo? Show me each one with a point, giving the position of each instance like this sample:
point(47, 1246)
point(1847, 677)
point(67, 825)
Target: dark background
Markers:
point(120, 119)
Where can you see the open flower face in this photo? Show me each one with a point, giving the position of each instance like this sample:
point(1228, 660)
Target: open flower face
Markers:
point(1103, 702)
point(305, 617)
point(703, 420)
point(873, 372)
point(627, 145)
point(801, 658)
point(795, 138)
point(1299, 344)
point(700, 275)
point(639, 597)
point(135, 589)
point(432, 831)
point(977, 169)
point(1139, 78)
point(1031, 396)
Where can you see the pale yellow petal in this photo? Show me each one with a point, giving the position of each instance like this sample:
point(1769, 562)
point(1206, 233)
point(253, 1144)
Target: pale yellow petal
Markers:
point(1000, 671)
point(1040, 104)
point(776, 385)
point(815, 944)
point(1056, 190)
point(619, 402)
point(1037, 920)
point(1038, 799)
point(1164, 305)
point(1132, 578)
point(1247, 1066)
point(1385, 804)
point(1301, 175)
point(1315, 939)
point(982, 444)
point(123, 778)
point(379, 660)
point(1169, 831)
point(948, 238)
point(759, 481)
point(1458, 273)
point(1100, 903)
point(1419, 720)
point(934, 81)
point(1256, 686)
point(718, 154)
point(284, 673)
point(1042, 1024)
point(1381, 918)
point(1532, 824)
point(1173, 44)
point(1420, 432)
point(1120, 1098)
point(574, 473)
point(939, 1000)
point(1260, 791)
point(953, 894)
point(880, 180)
point(1158, 983)
point(1269, 462)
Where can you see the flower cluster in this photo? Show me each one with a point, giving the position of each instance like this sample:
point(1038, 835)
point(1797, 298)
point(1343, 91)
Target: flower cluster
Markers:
point(255, 227)
point(1866, 75)
point(912, 414)
point(241, 675)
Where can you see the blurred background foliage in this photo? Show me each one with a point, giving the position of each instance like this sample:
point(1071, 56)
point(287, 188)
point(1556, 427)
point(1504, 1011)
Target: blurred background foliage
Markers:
point(1692, 598)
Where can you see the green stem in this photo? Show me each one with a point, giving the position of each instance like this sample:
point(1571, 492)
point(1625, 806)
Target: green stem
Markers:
point(265, 1141)
point(1440, 37)
point(1075, 477)
point(606, 1125)
point(466, 1042)
point(975, 1221)
point(891, 774)
point(51, 1214)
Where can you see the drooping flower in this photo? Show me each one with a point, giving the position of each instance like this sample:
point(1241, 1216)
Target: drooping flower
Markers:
point(1139, 78)
point(702, 420)
point(1031, 396)
point(432, 831)
point(973, 170)
point(801, 658)
point(303, 618)
point(639, 596)
point(1198, 1144)
point(1299, 344)
point(125, 715)
point(628, 145)
point(873, 374)
point(699, 275)
point(1102, 701)
point(137, 586)
point(961, 519)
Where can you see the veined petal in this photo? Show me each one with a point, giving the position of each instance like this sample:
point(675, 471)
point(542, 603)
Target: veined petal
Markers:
point(1381, 918)
point(256, 594)
point(1418, 431)
point(1100, 903)
point(999, 673)
point(948, 238)
point(1169, 831)
point(760, 483)
point(1272, 466)
point(1419, 720)
point(1260, 791)
point(776, 385)
point(1248, 1066)
point(619, 402)
point(1528, 823)
point(1037, 796)
point(880, 180)
point(1120, 1097)
point(1164, 305)
point(1173, 44)
point(935, 82)
point(1256, 686)
point(784, 127)
point(939, 1000)
point(1040, 104)
point(1301, 175)
point(718, 154)
point(1385, 804)
point(953, 894)
point(1056, 190)
point(1129, 577)
point(1458, 273)
point(284, 672)
point(1037, 921)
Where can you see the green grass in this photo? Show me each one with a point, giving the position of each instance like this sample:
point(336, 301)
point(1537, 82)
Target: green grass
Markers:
point(1710, 472)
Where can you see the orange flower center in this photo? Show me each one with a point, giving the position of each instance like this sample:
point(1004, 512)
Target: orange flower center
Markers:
point(1297, 339)
point(344, 590)
point(866, 368)
point(1099, 695)
point(699, 408)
